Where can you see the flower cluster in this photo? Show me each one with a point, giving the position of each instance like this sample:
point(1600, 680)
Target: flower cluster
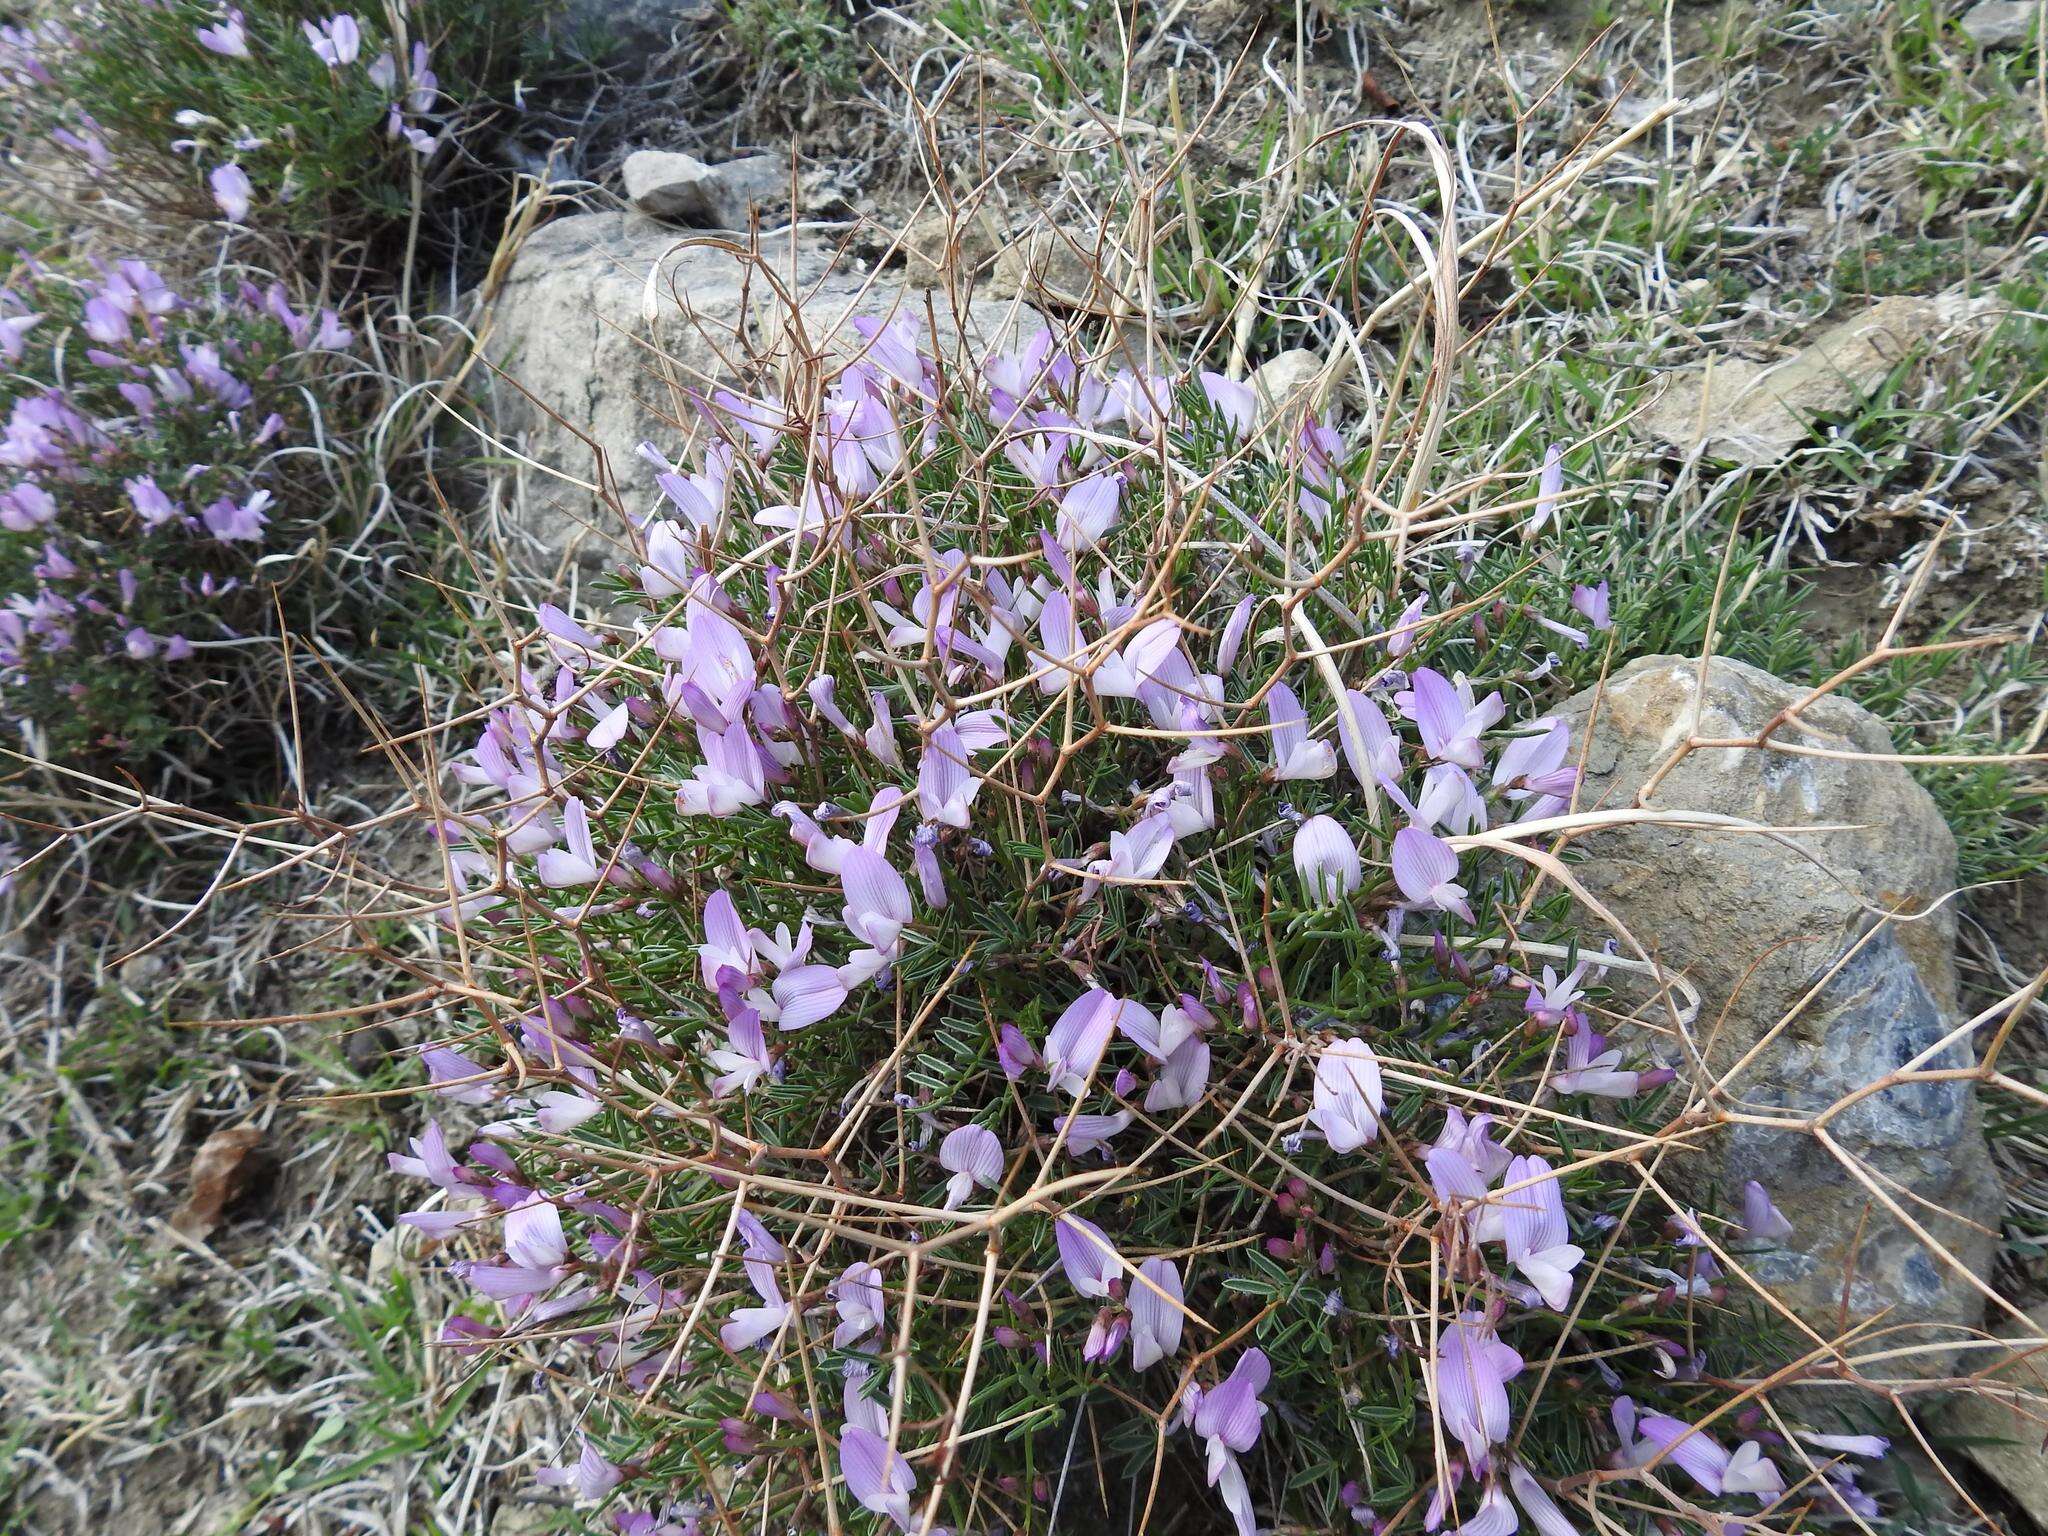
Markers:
point(146, 523)
point(1035, 959)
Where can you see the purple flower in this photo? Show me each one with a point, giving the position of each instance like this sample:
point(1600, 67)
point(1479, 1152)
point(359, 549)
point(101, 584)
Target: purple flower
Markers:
point(748, 1326)
point(1536, 1234)
point(1086, 1255)
point(1371, 750)
point(1233, 635)
point(1549, 487)
point(876, 1475)
point(1590, 1066)
point(1076, 1041)
point(1229, 1418)
point(232, 191)
point(1155, 1296)
point(336, 41)
point(233, 522)
point(591, 1475)
point(857, 1297)
point(228, 38)
point(1183, 1079)
point(972, 1155)
point(1092, 1133)
point(1326, 860)
point(1468, 1385)
point(578, 864)
point(1449, 720)
point(1014, 1053)
point(1401, 636)
point(743, 1061)
point(1294, 755)
point(1231, 399)
point(1138, 854)
point(945, 785)
point(877, 901)
point(1593, 603)
point(1088, 511)
point(1348, 1100)
point(1426, 868)
point(1762, 1221)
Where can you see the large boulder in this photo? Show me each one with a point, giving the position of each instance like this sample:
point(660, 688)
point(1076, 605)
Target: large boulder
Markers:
point(607, 322)
point(1795, 958)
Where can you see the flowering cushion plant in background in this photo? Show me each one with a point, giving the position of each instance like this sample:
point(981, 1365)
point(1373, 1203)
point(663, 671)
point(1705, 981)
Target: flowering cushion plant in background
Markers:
point(1020, 980)
point(165, 495)
point(268, 114)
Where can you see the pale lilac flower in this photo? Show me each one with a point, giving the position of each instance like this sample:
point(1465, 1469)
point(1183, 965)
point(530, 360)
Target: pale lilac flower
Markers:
point(228, 38)
point(1450, 800)
point(590, 1475)
point(1594, 604)
point(1592, 1066)
point(1762, 1221)
point(877, 900)
point(335, 41)
point(946, 786)
point(1537, 1504)
point(454, 1076)
point(103, 321)
point(728, 943)
point(1449, 720)
point(1228, 1418)
point(533, 1236)
point(1294, 755)
point(559, 1113)
point(857, 1297)
point(14, 330)
point(578, 864)
point(1183, 1079)
point(1014, 1053)
point(743, 1061)
point(232, 191)
point(233, 522)
point(803, 995)
point(1426, 868)
point(1348, 1100)
point(1537, 1238)
point(1371, 750)
point(972, 1155)
point(1086, 1255)
point(1401, 635)
point(1155, 1298)
point(1468, 1385)
point(610, 730)
point(1554, 1001)
point(1872, 1447)
point(1549, 487)
point(1076, 1041)
point(748, 1326)
point(730, 777)
point(1233, 636)
point(1234, 401)
point(1092, 1133)
point(1088, 511)
point(1138, 854)
point(1697, 1453)
point(1326, 860)
point(878, 1477)
point(1105, 1335)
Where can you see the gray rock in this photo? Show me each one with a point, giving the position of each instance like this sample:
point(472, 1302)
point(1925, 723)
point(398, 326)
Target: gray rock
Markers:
point(1756, 414)
point(2000, 1429)
point(937, 247)
point(2002, 23)
point(1285, 383)
point(1053, 268)
point(610, 321)
point(1755, 926)
point(682, 189)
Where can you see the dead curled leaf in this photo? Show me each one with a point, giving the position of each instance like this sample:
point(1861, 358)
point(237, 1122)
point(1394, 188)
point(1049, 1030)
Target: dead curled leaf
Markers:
point(227, 1165)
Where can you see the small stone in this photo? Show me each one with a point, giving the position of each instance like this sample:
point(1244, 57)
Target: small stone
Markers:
point(1800, 980)
point(1287, 381)
point(938, 246)
point(665, 184)
point(366, 1050)
point(1049, 267)
point(2001, 23)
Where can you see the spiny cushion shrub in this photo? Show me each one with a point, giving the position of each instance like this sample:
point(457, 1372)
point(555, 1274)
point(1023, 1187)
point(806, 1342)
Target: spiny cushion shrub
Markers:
point(165, 496)
point(1018, 992)
point(269, 113)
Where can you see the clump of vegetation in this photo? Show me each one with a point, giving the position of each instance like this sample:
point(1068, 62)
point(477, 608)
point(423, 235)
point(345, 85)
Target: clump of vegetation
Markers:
point(334, 127)
point(1025, 975)
point(169, 499)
